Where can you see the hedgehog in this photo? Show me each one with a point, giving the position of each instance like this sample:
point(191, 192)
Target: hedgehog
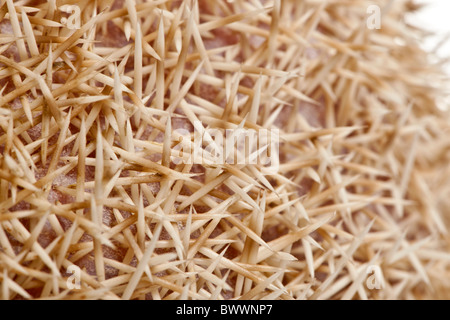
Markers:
point(105, 193)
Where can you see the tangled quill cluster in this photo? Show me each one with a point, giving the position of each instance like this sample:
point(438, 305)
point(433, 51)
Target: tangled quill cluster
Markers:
point(358, 207)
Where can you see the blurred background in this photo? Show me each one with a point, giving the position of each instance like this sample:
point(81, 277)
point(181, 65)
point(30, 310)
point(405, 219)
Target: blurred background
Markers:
point(435, 17)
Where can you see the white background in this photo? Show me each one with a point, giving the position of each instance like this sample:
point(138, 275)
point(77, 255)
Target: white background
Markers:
point(435, 17)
